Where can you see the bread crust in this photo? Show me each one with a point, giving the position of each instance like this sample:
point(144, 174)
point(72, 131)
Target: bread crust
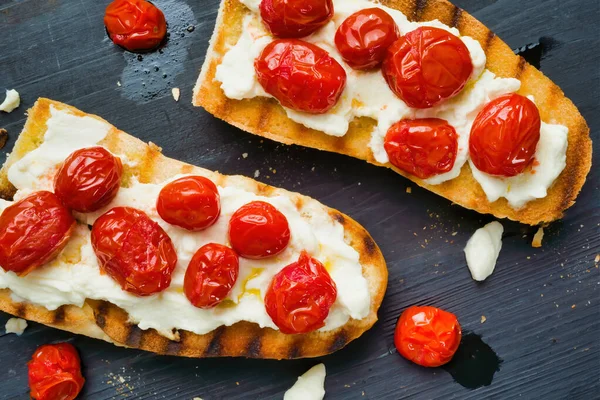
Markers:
point(266, 118)
point(103, 320)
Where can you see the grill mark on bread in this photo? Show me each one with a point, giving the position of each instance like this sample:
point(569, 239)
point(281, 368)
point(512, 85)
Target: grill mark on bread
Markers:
point(491, 36)
point(456, 14)
point(369, 245)
point(339, 217)
point(100, 314)
point(214, 347)
point(253, 349)
point(295, 350)
point(173, 347)
point(339, 341)
point(58, 316)
point(264, 115)
point(420, 6)
point(520, 67)
point(133, 336)
point(21, 310)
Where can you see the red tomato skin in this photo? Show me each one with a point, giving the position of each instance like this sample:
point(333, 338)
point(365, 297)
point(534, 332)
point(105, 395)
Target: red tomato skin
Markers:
point(191, 202)
point(89, 179)
point(427, 66)
point(504, 135)
point(258, 230)
point(55, 372)
point(33, 231)
point(295, 18)
point(422, 147)
point(364, 37)
point(211, 274)
point(301, 75)
point(136, 25)
point(427, 335)
point(300, 296)
point(134, 250)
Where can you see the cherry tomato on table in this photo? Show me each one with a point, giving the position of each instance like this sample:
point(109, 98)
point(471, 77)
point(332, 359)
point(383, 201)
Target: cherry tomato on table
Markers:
point(55, 372)
point(211, 274)
point(295, 18)
point(427, 335)
point(191, 202)
point(427, 66)
point(364, 37)
point(504, 135)
point(33, 231)
point(89, 179)
point(134, 250)
point(300, 296)
point(301, 75)
point(422, 147)
point(258, 230)
point(136, 25)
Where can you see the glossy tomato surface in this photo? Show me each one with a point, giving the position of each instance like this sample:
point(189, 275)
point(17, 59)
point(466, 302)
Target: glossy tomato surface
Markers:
point(301, 75)
point(55, 372)
point(211, 274)
point(505, 135)
point(427, 335)
point(33, 231)
point(191, 202)
point(300, 296)
point(136, 25)
point(364, 37)
point(89, 179)
point(134, 250)
point(422, 147)
point(295, 18)
point(258, 230)
point(427, 66)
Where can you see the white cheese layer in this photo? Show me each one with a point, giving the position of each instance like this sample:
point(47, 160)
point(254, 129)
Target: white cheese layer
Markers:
point(309, 386)
point(482, 250)
point(74, 275)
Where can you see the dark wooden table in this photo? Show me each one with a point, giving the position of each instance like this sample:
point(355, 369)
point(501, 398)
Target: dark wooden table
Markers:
point(541, 305)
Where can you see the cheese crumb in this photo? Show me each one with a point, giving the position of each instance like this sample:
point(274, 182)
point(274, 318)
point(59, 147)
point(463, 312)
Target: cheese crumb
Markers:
point(15, 325)
point(482, 250)
point(309, 386)
point(119, 83)
point(537, 238)
point(175, 92)
point(256, 173)
point(244, 155)
point(197, 398)
point(409, 190)
point(483, 319)
point(11, 101)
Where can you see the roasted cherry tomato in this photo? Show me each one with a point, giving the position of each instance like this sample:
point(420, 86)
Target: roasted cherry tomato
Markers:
point(258, 230)
point(134, 250)
point(211, 274)
point(422, 147)
point(136, 25)
point(33, 231)
point(427, 335)
point(55, 372)
point(364, 37)
point(300, 296)
point(295, 18)
point(191, 202)
point(427, 66)
point(89, 179)
point(504, 136)
point(301, 75)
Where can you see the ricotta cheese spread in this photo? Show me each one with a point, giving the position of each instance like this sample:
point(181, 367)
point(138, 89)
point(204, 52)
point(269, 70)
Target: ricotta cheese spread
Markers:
point(16, 326)
point(75, 275)
point(482, 250)
point(11, 101)
point(309, 386)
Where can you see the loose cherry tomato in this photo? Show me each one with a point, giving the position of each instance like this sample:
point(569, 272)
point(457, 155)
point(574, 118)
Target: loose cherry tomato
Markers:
point(300, 296)
point(89, 179)
point(427, 66)
point(191, 202)
point(258, 230)
point(301, 75)
point(55, 372)
point(505, 135)
point(33, 231)
point(427, 335)
point(364, 37)
point(295, 18)
point(211, 274)
point(134, 250)
point(422, 147)
point(136, 25)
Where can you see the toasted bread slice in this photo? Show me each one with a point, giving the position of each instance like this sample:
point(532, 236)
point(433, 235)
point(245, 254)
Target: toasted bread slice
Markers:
point(103, 320)
point(265, 117)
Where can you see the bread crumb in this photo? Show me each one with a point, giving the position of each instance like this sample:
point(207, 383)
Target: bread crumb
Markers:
point(483, 319)
point(454, 233)
point(119, 83)
point(197, 398)
point(15, 325)
point(3, 137)
point(537, 238)
point(121, 379)
point(573, 306)
point(597, 259)
point(237, 383)
point(175, 92)
point(256, 173)
point(409, 190)
point(244, 155)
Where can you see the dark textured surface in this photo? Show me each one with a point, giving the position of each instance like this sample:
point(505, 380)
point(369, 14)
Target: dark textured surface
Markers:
point(541, 305)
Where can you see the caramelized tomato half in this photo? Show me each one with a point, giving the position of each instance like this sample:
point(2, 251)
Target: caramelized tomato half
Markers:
point(136, 25)
point(422, 147)
point(134, 250)
point(33, 231)
point(295, 18)
point(427, 335)
point(301, 75)
point(300, 296)
point(427, 66)
point(505, 135)
point(55, 372)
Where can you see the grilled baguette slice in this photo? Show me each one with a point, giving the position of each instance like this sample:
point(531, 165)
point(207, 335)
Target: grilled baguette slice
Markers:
point(103, 320)
point(265, 117)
